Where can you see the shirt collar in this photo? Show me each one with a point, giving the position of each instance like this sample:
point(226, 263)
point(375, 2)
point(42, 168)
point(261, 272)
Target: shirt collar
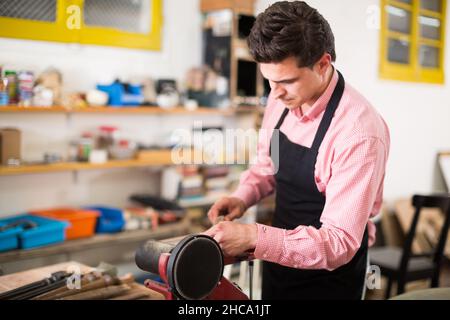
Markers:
point(321, 103)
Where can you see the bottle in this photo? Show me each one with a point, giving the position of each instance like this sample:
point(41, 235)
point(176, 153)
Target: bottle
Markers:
point(4, 96)
point(12, 86)
point(85, 146)
point(26, 82)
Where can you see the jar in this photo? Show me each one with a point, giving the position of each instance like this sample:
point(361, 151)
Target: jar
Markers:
point(106, 137)
point(85, 146)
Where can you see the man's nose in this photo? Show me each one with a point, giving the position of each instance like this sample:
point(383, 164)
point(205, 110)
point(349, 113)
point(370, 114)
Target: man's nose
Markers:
point(278, 91)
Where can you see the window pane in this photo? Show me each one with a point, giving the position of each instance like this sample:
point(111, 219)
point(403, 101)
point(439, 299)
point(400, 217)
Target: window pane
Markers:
point(127, 15)
point(399, 19)
point(429, 56)
point(405, 1)
point(433, 5)
point(398, 51)
point(43, 10)
point(430, 27)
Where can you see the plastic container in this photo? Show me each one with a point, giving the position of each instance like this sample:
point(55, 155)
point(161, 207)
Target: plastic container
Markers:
point(111, 220)
point(119, 95)
point(47, 231)
point(26, 83)
point(82, 221)
point(9, 238)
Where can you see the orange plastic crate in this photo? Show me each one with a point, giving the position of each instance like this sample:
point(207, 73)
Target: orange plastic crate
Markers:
point(82, 222)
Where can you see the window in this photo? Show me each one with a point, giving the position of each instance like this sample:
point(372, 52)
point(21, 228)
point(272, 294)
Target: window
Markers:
point(412, 40)
point(122, 23)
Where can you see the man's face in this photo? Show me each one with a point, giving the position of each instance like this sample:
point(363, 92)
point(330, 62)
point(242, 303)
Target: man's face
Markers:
point(292, 85)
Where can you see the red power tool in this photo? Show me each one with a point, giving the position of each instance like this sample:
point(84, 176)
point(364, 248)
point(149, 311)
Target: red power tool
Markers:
point(191, 270)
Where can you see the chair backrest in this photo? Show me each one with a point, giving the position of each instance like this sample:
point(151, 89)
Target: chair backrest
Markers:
point(427, 201)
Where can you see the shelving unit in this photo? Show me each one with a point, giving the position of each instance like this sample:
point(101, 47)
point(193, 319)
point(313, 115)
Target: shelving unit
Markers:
point(231, 57)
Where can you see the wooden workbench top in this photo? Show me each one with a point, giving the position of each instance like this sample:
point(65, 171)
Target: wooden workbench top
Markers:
point(15, 280)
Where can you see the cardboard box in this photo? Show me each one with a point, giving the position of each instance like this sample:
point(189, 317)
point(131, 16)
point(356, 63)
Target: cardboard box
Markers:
point(10, 145)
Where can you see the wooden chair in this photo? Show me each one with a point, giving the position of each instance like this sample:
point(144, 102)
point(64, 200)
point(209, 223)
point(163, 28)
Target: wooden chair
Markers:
point(400, 264)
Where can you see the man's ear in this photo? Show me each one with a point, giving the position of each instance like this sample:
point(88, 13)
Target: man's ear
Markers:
point(323, 64)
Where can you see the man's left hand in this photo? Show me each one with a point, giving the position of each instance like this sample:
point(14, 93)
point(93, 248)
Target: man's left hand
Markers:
point(234, 238)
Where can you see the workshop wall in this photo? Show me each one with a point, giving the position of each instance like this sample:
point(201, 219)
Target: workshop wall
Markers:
point(417, 114)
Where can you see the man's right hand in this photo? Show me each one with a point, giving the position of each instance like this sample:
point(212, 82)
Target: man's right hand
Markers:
point(229, 207)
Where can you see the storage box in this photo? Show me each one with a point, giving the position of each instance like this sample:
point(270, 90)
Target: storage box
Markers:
point(47, 231)
point(10, 145)
point(82, 221)
point(9, 238)
point(111, 220)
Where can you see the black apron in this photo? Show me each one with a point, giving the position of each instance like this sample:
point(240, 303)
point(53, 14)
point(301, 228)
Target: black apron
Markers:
point(299, 202)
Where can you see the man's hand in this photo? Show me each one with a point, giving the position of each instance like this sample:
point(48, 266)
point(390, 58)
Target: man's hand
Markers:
point(234, 238)
point(229, 207)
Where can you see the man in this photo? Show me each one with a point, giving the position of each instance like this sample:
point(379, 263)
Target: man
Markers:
point(333, 147)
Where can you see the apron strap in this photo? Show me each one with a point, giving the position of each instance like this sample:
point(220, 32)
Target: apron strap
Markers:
point(329, 113)
point(283, 116)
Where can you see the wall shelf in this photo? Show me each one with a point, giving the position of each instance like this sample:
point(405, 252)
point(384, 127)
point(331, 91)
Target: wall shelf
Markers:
point(156, 158)
point(129, 110)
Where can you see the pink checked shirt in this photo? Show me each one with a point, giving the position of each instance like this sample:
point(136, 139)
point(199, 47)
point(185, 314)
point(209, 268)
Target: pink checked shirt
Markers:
point(349, 171)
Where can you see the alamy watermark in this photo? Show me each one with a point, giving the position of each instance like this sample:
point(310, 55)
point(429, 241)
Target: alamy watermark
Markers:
point(73, 21)
point(203, 146)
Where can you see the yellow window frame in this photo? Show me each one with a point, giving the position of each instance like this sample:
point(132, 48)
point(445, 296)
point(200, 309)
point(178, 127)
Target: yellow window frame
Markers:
point(59, 31)
point(412, 72)
point(117, 38)
point(40, 30)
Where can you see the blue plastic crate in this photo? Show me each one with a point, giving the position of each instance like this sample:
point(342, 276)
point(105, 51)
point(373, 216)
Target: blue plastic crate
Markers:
point(111, 220)
point(48, 231)
point(9, 238)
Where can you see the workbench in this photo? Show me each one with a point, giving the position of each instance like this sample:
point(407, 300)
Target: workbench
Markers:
point(15, 280)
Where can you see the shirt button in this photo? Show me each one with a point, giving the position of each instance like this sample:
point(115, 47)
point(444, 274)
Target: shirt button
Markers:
point(264, 229)
point(296, 266)
point(265, 255)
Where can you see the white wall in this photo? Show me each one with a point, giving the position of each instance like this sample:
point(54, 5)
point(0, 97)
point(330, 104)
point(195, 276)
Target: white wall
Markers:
point(418, 115)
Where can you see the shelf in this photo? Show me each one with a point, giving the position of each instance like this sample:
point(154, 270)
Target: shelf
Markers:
point(132, 110)
point(68, 247)
point(123, 110)
point(160, 158)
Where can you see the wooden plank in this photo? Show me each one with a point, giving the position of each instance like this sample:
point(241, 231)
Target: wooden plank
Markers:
point(119, 110)
point(160, 158)
point(241, 6)
point(32, 109)
point(99, 240)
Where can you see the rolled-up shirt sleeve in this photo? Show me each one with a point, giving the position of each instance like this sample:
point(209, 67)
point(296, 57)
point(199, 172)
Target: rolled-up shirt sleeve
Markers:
point(357, 176)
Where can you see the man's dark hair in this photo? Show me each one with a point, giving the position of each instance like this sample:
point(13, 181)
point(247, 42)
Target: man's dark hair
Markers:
point(288, 29)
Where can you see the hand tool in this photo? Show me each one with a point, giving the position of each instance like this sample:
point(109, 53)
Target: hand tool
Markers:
point(56, 280)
